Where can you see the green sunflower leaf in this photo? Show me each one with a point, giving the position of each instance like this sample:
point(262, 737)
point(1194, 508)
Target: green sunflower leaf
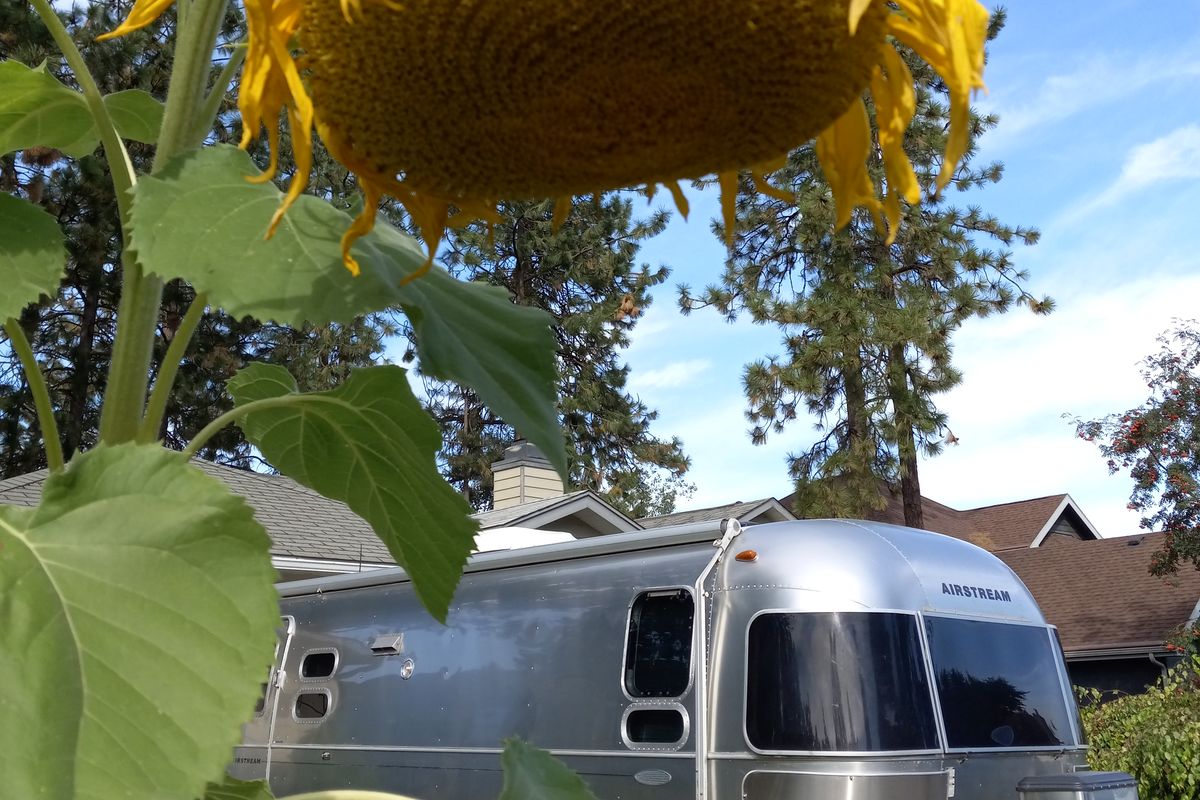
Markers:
point(32, 255)
point(38, 111)
point(137, 619)
point(473, 334)
point(233, 789)
point(369, 444)
point(136, 114)
point(200, 220)
point(533, 774)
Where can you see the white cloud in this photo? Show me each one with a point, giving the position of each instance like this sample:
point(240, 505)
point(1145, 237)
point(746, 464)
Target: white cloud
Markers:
point(1023, 373)
point(1098, 81)
point(1173, 157)
point(672, 376)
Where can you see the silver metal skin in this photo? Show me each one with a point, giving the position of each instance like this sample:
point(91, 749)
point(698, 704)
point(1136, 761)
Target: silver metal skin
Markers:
point(534, 646)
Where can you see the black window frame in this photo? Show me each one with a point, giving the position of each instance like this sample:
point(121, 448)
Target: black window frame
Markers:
point(921, 653)
point(628, 670)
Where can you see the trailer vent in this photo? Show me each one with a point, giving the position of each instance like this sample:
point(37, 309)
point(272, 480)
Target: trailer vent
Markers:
point(389, 644)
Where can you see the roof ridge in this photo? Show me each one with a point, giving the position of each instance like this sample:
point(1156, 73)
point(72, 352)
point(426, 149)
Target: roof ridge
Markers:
point(1060, 496)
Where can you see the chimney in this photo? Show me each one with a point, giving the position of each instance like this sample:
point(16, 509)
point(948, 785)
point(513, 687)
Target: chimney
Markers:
point(522, 476)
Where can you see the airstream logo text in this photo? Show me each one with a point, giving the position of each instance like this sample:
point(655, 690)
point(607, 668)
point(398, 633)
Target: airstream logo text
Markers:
point(982, 592)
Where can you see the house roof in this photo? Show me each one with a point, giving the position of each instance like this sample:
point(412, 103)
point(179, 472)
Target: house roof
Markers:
point(767, 509)
point(302, 524)
point(1101, 594)
point(1023, 523)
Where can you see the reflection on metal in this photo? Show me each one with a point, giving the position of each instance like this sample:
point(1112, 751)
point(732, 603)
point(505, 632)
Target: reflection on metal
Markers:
point(881, 786)
point(406, 668)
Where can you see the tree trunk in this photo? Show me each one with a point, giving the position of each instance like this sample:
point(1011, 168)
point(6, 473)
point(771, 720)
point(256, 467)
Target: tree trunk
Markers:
point(906, 445)
point(77, 397)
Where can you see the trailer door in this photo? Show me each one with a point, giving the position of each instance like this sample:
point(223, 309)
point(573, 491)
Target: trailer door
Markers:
point(252, 759)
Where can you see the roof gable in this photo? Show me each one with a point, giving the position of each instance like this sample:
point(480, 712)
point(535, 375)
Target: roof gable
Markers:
point(582, 514)
point(767, 509)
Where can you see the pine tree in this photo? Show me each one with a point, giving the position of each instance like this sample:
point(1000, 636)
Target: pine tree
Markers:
point(867, 326)
point(586, 276)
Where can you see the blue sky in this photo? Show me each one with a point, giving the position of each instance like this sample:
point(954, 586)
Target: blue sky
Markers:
point(1100, 137)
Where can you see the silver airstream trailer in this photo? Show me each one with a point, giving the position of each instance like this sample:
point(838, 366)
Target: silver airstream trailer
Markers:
point(795, 660)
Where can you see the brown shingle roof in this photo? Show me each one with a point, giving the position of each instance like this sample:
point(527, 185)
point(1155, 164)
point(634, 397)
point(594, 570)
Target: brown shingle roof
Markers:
point(1101, 594)
point(998, 527)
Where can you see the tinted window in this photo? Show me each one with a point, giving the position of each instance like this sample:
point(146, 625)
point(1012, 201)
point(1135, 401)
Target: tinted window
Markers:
point(837, 681)
point(655, 725)
point(312, 705)
point(318, 665)
point(658, 652)
point(999, 684)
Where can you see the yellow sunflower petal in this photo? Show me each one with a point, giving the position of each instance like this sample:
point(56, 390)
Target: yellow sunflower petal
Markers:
point(142, 14)
point(681, 201)
point(895, 104)
point(857, 9)
point(950, 35)
point(728, 181)
point(843, 149)
point(562, 210)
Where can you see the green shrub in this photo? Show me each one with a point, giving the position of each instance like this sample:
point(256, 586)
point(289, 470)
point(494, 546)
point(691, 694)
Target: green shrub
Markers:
point(1154, 736)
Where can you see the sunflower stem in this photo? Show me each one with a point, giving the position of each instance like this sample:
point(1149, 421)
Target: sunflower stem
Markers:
point(41, 396)
point(165, 380)
point(212, 105)
point(119, 166)
point(141, 295)
point(213, 428)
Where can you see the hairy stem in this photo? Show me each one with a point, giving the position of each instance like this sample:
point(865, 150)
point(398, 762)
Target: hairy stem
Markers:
point(212, 105)
point(41, 397)
point(165, 381)
point(213, 428)
point(141, 294)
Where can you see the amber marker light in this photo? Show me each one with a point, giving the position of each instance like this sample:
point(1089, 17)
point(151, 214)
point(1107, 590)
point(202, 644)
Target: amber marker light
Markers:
point(747, 555)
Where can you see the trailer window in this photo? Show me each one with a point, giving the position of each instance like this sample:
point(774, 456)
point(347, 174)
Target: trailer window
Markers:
point(999, 684)
point(312, 705)
point(655, 726)
point(658, 652)
point(319, 664)
point(843, 682)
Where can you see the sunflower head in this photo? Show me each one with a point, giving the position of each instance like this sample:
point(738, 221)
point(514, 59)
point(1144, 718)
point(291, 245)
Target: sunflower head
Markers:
point(452, 106)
